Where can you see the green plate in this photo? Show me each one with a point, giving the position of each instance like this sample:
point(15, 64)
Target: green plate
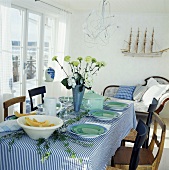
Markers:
point(88, 130)
point(116, 105)
point(104, 114)
point(12, 117)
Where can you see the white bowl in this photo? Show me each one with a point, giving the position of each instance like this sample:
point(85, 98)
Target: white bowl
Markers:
point(40, 132)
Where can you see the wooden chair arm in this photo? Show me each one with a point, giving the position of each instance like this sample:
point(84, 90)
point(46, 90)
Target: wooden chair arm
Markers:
point(160, 108)
point(110, 86)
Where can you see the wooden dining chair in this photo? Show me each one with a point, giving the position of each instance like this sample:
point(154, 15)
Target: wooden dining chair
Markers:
point(11, 102)
point(132, 134)
point(34, 92)
point(149, 159)
point(142, 131)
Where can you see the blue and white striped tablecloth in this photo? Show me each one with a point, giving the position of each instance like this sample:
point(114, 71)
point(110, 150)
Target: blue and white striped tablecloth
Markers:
point(24, 156)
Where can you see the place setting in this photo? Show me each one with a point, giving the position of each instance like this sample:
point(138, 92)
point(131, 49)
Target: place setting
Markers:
point(104, 115)
point(117, 106)
point(87, 130)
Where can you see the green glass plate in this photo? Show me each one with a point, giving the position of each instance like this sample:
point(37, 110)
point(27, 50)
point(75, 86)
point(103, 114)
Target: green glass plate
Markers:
point(104, 114)
point(88, 130)
point(116, 105)
point(12, 117)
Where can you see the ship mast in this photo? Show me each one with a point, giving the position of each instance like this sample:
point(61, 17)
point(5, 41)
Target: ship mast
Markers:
point(137, 41)
point(145, 35)
point(152, 41)
point(130, 40)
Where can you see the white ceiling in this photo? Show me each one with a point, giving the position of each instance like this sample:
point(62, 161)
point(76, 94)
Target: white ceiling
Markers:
point(143, 6)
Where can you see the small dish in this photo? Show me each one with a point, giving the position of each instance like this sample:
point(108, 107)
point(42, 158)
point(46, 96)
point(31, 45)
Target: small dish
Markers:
point(119, 106)
point(102, 114)
point(12, 117)
point(87, 130)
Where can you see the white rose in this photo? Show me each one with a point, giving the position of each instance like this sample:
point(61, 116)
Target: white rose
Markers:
point(76, 75)
point(70, 82)
point(73, 83)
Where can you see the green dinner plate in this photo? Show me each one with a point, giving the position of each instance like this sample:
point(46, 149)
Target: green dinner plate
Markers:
point(88, 129)
point(104, 114)
point(116, 105)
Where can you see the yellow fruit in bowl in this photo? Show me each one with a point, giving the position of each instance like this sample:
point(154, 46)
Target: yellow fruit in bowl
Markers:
point(17, 114)
point(36, 123)
point(39, 126)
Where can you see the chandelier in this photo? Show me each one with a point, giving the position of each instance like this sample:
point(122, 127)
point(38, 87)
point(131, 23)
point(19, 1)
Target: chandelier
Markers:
point(99, 24)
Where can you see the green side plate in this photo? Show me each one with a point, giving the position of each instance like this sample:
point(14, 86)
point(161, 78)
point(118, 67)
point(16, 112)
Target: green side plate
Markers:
point(116, 105)
point(88, 130)
point(104, 114)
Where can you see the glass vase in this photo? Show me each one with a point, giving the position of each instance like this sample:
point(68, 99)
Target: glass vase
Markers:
point(77, 97)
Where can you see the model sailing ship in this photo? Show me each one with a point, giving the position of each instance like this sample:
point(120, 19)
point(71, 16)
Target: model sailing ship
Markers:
point(142, 46)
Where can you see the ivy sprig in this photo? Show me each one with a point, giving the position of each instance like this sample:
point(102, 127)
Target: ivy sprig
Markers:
point(77, 118)
point(13, 136)
point(43, 145)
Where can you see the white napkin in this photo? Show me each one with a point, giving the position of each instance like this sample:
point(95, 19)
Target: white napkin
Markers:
point(101, 124)
point(120, 113)
point(9, 125)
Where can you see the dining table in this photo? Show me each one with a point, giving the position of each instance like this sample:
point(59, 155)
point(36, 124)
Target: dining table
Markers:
point(23, 153)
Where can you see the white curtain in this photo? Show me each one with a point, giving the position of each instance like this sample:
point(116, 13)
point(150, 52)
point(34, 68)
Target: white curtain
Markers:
point(5, 54)
point(62, 49)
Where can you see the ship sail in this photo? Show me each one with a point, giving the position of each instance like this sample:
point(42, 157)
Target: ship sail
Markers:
point(142, 44)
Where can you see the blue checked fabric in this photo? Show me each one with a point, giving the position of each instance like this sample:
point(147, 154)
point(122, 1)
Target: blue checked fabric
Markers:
point(125, 92)
point(24, 156)
point(9, 125)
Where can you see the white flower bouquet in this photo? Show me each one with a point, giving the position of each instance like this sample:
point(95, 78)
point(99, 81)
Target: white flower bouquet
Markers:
point(81, 74)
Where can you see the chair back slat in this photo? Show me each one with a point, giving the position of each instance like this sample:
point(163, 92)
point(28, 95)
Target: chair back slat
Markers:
point(142, 131)
point(158, 122)
point(156, 140)
point(151, 109)
point(34, 92)
point(10, 102)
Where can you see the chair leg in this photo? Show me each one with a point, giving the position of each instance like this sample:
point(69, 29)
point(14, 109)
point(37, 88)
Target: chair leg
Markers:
point(112, 162)
point(122, 143)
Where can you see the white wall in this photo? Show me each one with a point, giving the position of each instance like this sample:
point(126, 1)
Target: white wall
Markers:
point(120, 69)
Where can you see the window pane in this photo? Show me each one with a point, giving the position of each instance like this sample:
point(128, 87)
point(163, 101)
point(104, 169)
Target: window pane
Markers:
point(33, 50)
point(17, 47)
point(49, 41)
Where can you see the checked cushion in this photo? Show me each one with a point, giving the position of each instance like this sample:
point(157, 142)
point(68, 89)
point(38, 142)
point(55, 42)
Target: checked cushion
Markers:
point(125, 92)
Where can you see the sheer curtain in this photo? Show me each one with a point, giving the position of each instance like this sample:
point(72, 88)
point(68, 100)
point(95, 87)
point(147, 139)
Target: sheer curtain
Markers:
point(61, 49)
point(5, 54)
point(63, 46)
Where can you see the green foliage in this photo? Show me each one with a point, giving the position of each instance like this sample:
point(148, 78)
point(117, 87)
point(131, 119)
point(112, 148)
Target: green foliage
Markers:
point(13, 136)
point(43, 145)
point(65, 83)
